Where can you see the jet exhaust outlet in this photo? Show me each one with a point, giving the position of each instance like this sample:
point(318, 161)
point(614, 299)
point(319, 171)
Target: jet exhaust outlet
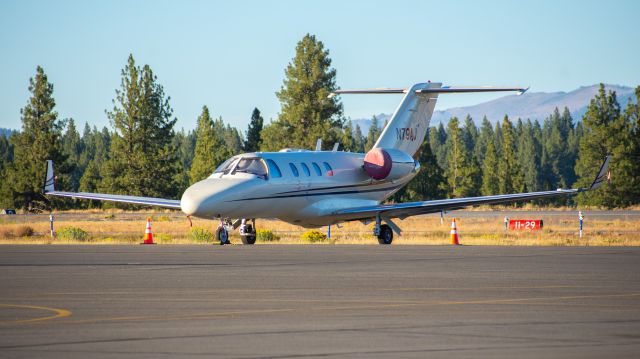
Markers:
point(377, 163)
point(387, 163)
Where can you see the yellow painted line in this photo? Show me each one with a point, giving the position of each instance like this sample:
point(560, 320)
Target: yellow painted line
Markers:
point(59, 313)
point(481, 288)
point(206, 315)
point(284, 290)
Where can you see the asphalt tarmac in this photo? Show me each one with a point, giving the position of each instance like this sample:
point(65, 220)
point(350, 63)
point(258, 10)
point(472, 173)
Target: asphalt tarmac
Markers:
point(318, 301)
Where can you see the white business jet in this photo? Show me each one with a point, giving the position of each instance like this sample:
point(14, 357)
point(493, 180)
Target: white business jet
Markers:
point(319, 188)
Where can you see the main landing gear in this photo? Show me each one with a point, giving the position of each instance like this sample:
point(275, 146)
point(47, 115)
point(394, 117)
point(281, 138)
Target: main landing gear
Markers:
point(247, 231)
point(383, 232)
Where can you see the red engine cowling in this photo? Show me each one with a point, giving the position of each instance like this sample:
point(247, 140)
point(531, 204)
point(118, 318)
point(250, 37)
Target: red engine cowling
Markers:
point(381, 163)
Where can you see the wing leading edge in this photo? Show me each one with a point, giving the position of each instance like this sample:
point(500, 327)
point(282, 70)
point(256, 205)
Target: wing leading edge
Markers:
point(404, 210)
point(49, 190)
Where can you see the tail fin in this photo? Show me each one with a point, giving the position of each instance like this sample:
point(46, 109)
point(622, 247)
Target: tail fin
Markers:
point(408, 125)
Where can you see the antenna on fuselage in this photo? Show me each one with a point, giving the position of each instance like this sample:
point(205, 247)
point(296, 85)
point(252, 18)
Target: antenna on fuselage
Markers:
point(335, 147)
point(319, 144)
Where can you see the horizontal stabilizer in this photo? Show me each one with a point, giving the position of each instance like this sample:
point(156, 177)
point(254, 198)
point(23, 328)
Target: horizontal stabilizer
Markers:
point(368, 91)
point(453, 89)
point(443, 89)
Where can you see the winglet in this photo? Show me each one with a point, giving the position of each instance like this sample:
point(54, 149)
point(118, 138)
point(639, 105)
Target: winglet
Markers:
point(49, 179)
point(602, 174)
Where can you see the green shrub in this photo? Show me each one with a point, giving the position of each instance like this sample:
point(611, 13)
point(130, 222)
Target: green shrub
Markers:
point(163, 219)
point(72, 234)
point(201, 235)
point(266, 235)
point(110, 216)
point(23, 231)
point(314, 236)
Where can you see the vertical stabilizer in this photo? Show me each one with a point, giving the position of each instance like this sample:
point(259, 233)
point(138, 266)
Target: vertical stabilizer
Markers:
point(408, 126)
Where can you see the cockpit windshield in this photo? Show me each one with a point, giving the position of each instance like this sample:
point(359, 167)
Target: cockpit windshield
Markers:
point(253, 166)
point(226, 166)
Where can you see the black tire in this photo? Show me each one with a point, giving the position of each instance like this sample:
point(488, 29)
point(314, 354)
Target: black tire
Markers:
point(222, 236)
point(386, 235)
point(250, 236)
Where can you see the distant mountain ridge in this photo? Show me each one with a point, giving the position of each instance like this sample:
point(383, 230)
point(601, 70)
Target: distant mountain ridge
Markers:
point(531, 105)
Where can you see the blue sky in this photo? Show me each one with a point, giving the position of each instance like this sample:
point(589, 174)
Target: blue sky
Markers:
point(231, 55)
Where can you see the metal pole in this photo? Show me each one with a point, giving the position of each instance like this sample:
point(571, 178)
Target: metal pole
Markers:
point(581, 218)
point(53, 233)
point(329, 232)
point(441, 217)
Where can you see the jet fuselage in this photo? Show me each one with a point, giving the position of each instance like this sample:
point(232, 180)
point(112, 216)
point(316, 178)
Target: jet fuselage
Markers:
point(299, 187)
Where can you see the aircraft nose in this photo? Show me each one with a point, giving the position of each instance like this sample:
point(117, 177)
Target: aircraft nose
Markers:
point(206, 198)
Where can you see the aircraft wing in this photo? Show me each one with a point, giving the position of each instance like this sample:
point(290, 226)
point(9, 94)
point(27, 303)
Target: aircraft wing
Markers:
point(49, 190)
point(404, 210)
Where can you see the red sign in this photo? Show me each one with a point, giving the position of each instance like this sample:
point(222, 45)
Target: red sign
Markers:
point(524, 224)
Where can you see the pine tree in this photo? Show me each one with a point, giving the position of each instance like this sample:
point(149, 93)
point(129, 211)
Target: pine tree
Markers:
point(470, 134)
point(558, 159)
point(498, 139)
point(348, 142)
point(373, 134)
point(184, 142)
point(462, 172)
point(306, 111)
point(429, 183)
point(39, 140)
point(230, 136)
point(6, 159)
point(252, 144)
point(438, 141)
point(606, 132)
point(509, 172)
point(529, 151)
point(97, 145)
point(141, 161)
point(210, 149)
point(72, 147)
point(358, 139)
point(484, 137)
point(632, 114)
point(490, 178)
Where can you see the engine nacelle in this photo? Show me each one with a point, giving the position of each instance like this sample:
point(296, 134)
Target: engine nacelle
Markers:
point(388, 163)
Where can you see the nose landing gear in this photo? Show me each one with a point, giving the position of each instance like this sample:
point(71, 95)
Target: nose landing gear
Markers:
point(222, 234)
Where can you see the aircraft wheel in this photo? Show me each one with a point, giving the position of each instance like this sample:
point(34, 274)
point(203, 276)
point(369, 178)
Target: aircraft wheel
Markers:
point(250, 236)
point(222, 235)
point(386, 235)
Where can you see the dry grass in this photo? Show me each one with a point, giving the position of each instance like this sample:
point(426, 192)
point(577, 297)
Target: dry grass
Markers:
point(171, 228)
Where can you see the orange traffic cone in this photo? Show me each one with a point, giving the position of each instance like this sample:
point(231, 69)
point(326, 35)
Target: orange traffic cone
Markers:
point(454, 233)
point(148, 236)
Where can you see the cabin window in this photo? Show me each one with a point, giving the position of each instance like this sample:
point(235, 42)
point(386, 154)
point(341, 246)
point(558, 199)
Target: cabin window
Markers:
point(328, 168)
point(294, 169)
point(274, 170)
point(254, 166)
point(316, 168)
point(305, 168)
